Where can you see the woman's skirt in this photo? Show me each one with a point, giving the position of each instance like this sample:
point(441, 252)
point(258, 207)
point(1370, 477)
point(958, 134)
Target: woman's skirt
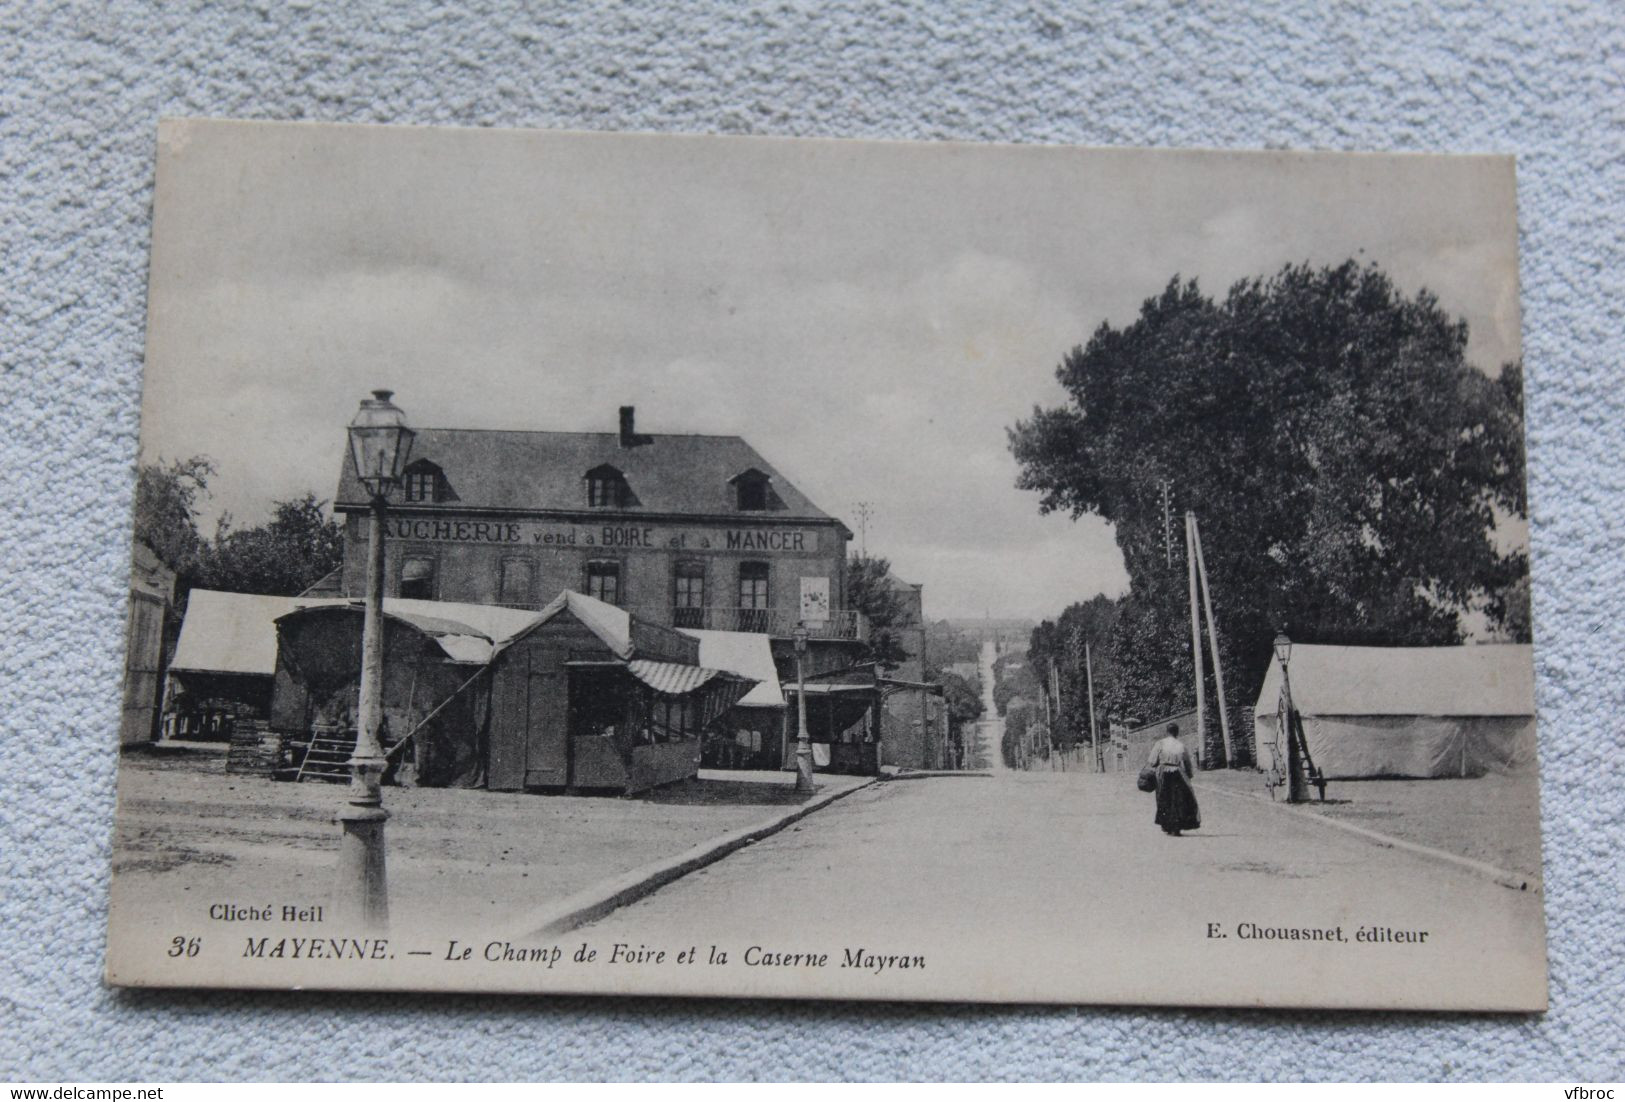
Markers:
point(1176, 803)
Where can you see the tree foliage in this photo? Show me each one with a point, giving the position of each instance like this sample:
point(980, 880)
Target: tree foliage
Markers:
point(963, 697)
point(1013, 679)
point(869, 590)
point(1346, 463)
point(166, 504)
point(285, 556)
point(1074, 646)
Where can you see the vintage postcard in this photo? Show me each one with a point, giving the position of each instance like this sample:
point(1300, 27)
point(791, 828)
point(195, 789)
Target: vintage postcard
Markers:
point(606, 563)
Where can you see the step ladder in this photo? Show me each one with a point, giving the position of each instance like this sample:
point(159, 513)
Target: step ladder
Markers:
point(328, 756)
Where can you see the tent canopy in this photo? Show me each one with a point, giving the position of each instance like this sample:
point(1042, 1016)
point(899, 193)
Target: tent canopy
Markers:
point(1496, 679)
point(1405, 711)
point(612, 625)
point(236, 632)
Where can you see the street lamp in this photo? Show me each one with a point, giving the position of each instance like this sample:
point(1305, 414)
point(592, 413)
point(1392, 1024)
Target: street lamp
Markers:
point(1283, 651)
point(380, 443)
point(804, 757)
point(1294, 766)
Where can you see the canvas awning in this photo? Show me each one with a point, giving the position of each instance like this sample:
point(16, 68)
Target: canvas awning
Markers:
point(236, 632)
point(748, 654)
point(670, 678)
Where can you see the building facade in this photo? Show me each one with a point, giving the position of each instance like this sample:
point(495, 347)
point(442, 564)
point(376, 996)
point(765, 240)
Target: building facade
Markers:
point(686, 531)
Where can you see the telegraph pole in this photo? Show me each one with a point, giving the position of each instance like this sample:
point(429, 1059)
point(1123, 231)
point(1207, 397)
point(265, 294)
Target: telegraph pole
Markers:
point(1196, 634)
point(1094, 737)
point(1213, 641)
point(865, 510)
point(1167, 525)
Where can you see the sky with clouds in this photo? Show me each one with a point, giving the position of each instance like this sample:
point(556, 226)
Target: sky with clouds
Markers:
point(870, 316)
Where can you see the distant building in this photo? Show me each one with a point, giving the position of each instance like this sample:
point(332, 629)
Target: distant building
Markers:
point(915, 719)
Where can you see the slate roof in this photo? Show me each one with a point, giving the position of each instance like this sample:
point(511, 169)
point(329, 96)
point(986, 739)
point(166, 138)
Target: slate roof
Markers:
point(491, 469)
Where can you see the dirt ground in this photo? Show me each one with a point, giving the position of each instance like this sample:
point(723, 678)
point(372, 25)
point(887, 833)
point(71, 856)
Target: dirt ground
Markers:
point(1493, 819)
point(190, 834)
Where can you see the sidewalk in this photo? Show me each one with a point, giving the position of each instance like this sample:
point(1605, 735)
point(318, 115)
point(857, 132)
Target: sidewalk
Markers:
point(1494, 820)
point(187, 829)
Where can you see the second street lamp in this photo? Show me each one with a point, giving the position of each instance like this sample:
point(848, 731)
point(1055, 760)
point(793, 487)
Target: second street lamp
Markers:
point(1294, 765)
point(380, 444)
point(804, 755)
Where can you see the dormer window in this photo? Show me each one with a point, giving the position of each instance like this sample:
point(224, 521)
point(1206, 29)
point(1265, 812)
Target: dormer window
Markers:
point(423, 482)
point(607, 488)
point(751, 490)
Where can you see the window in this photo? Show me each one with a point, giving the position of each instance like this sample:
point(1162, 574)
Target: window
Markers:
point(753, 596)
point(417, 579)
point(604, 581)
point(513, 587)
point(607, 488)
point(422, 481)
point(688, 595)
point(752, 487)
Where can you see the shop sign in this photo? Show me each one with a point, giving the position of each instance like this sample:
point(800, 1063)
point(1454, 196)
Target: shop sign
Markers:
point(620, 536)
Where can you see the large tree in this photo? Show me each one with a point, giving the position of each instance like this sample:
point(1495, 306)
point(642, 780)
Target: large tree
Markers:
point(166, 504)
point(1078, 647)
point(285, 556)
point(1347, 465)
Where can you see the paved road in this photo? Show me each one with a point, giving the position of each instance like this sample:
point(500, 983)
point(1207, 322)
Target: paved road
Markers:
point(987, 754)
point(1057, 887)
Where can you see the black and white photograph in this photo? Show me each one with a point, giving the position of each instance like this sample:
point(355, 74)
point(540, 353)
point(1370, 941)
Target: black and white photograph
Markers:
point(806, 568)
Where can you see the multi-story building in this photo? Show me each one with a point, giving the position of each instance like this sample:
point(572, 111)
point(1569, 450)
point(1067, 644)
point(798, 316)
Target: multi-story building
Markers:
point(684, 530)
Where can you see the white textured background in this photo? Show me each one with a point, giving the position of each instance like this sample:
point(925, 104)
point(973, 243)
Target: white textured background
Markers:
point(81, 89)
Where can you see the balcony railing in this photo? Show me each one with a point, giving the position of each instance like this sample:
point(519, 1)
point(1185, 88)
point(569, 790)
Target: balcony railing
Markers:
point(844, 624)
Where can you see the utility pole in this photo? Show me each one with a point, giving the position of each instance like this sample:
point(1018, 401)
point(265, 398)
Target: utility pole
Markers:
point(1094, 737)
point(865, 510)
point(1055, 686)
point(1213, 642)
point(1043, 690)
point(1196, 634)
point(1167, 526)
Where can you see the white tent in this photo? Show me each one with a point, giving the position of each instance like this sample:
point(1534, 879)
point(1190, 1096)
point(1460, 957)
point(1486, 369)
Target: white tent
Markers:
point(236, 632)
point(1405, 711)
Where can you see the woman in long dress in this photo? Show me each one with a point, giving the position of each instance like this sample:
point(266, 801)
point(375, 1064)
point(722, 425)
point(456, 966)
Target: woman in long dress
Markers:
point(1176, 803)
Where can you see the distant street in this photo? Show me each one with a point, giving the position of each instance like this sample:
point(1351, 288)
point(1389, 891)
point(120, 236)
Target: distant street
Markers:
point(1070, 871)
point(990, 728)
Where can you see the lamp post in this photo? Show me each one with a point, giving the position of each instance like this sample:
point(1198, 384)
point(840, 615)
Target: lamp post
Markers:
point(1294, 765)
point(380, 443)
point(804, 757)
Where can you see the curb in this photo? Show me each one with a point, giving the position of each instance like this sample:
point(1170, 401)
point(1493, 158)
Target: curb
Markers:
point(1500, 876)
point(596, 902)
point(918, 774)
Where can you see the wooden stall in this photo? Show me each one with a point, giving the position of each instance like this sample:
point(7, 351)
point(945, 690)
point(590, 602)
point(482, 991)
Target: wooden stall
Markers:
point(436, 691)
point(592, 698)
point(580, 696)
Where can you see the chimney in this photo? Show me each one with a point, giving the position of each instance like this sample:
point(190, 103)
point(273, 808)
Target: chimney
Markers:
point(629, 436)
